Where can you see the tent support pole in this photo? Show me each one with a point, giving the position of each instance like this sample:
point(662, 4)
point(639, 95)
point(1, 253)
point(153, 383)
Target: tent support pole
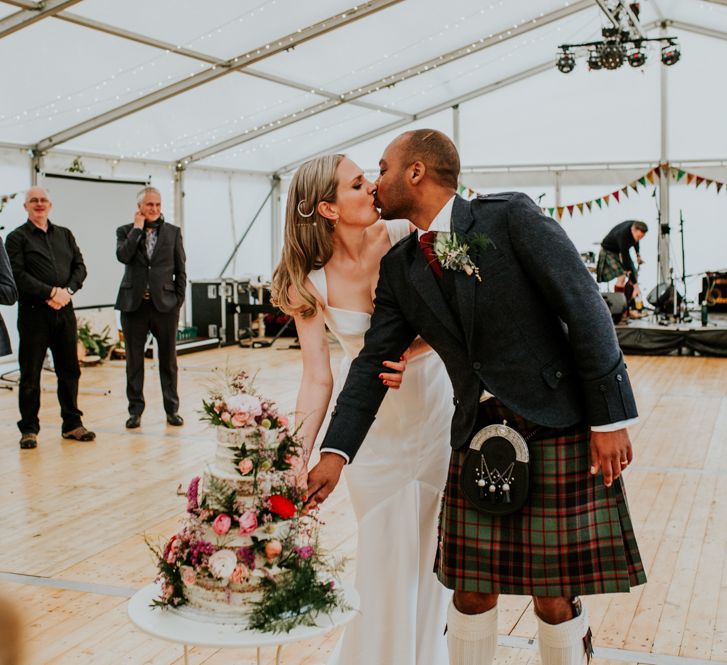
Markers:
point(664, 259)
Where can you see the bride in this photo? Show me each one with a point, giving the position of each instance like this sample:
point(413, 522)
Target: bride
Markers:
point(327, 276)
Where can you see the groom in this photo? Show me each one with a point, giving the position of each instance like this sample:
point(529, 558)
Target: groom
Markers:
point(528, 339)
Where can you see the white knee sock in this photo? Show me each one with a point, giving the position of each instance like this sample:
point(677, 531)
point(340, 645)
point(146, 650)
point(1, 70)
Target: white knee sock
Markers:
point(562, 644)
point(471, 638)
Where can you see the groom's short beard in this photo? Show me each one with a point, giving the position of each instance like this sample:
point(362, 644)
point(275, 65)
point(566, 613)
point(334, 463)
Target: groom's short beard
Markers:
point(398, 205)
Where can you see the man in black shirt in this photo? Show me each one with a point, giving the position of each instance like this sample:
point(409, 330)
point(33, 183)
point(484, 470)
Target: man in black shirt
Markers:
point(48, 269)
point(614, 260)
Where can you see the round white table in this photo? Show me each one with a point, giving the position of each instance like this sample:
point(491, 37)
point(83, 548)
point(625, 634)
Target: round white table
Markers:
point(176, 626)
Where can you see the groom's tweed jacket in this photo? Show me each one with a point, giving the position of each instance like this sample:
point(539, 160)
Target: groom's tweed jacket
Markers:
point(535, 332)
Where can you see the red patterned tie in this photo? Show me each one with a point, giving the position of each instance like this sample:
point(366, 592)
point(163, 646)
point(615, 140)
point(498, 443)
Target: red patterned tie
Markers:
point(426, 242)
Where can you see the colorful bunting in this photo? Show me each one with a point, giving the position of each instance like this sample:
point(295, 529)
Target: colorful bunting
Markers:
point(558, 211)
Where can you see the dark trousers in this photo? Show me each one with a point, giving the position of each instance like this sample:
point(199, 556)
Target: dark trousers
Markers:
point(136, 326)
point(41, 328)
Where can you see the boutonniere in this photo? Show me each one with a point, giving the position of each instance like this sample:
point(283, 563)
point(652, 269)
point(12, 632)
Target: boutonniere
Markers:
point(459, 253)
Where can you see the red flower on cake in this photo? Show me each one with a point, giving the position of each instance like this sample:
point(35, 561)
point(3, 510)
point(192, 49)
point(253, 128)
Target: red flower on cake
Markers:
point(282, 506)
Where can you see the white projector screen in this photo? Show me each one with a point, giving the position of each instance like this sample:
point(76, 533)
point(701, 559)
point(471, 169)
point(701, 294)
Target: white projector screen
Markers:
point(92, 209)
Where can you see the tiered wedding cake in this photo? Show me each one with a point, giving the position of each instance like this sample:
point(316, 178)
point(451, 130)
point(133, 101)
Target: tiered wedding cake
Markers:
point(245, 552)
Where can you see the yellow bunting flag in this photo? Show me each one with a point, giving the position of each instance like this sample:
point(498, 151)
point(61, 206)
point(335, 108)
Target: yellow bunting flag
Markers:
point(606, 198)
point(580, 207)
point(560, 211)
point(650, 176)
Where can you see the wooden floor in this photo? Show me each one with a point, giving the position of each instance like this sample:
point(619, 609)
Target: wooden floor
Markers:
point(74, 516)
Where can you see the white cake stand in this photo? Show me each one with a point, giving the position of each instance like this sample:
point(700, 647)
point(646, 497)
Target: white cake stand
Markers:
point(176, 627)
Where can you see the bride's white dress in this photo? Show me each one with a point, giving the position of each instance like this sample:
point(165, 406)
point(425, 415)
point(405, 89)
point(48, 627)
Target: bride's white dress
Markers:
point(395, 484)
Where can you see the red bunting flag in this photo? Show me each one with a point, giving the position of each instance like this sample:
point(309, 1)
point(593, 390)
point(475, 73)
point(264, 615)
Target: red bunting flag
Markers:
point(570, 210)
point(616, 195)
point(690, 178)
point(699, 180)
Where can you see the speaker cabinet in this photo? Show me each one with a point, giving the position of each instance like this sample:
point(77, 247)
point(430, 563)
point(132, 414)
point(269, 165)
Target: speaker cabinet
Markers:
point(616, 305)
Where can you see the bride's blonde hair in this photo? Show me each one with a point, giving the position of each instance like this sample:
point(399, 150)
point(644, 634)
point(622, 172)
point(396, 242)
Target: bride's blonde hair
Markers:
point(308, 242)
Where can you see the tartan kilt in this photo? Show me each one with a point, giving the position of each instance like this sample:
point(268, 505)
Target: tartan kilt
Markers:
point(573, 536)
point(609, 266)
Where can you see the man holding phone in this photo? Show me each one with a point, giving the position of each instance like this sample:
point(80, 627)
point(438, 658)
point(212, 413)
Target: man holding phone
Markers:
point(150, 296)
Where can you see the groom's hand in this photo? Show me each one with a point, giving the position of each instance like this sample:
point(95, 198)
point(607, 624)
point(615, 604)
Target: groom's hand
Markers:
point(611, 453)
point(323, 478)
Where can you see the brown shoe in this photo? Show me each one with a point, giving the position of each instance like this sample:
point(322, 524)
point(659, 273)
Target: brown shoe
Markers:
point(29, 440)
point(79, 434)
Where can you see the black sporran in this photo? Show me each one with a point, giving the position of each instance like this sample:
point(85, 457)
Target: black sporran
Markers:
point(495, 476)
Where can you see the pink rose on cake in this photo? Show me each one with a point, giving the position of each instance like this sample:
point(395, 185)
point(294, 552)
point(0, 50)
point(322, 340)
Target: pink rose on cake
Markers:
point(222, 524)
point(244, 409)
point(225, 417)
point(222, 563)
point(273, 548)
point(240, 574)
point(248, 522)
point(189, 577)
point(245, 466)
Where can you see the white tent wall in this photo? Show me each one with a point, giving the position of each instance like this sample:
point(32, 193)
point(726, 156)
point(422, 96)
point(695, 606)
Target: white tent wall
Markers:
point(218, 208)
point(14, 177)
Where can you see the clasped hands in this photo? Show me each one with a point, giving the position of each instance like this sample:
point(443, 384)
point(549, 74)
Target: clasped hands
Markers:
point(59, 298)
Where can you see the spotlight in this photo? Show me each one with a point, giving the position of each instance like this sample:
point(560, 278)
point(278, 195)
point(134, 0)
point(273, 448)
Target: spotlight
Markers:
point(637, 56)
point(594, 60)
point(670, 55)
point(566, 62)
point(612, 55)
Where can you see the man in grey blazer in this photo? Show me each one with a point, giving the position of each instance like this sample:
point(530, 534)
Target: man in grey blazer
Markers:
point(150, 296)
point(526, 338)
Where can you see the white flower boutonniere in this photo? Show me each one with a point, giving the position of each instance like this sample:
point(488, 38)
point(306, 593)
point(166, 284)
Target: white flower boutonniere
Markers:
point(456, 253)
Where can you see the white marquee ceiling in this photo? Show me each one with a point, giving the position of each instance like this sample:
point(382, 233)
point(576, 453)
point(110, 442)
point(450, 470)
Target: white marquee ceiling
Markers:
point(320, 72)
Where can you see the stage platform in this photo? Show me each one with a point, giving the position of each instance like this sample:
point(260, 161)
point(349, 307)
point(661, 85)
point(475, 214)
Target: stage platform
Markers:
point(650, 336)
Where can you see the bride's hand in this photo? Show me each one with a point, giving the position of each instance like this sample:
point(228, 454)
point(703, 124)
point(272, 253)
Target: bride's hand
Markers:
point(393, 379)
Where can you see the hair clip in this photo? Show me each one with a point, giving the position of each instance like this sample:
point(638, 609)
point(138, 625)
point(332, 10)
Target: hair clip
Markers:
point(301, 213)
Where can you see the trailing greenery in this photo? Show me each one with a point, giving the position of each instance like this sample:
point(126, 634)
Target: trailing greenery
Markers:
point(218, 496)
point(295, 598)
point(171, 575)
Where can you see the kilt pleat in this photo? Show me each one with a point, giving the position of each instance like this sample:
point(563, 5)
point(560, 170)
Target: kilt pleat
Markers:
point(574, 536)
point(609, 266)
